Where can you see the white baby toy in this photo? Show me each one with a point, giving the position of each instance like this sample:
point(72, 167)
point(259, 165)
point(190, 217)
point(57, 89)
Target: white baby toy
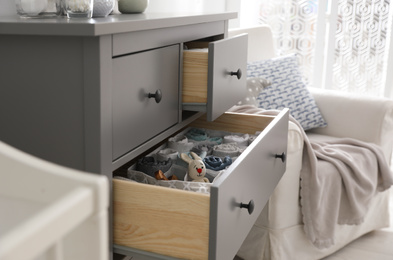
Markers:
point(196, 167)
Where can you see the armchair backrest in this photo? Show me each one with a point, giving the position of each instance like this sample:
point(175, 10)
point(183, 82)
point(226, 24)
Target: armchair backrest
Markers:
point(260, 42)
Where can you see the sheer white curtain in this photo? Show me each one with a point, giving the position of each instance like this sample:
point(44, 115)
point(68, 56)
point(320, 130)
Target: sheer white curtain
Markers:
point(342, 44)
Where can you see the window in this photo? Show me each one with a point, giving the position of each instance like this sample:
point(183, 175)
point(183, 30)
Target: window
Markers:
point(344, 42)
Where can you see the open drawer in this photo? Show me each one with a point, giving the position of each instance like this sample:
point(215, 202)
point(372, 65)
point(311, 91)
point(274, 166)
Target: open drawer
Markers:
point(191, 225)
point(214, 75)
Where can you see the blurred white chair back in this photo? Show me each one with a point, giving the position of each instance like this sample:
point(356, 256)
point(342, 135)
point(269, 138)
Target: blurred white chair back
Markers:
point(50, 212)
point(260, 42)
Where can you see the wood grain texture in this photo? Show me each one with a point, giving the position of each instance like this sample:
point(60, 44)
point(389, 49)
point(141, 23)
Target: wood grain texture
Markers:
point(195, 69)
point(161, 220)
point(235, 122)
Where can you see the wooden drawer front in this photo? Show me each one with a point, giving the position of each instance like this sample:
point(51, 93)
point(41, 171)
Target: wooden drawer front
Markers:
point(252, 177)
point(191, 225)
point(134, 114)
point(207, 79)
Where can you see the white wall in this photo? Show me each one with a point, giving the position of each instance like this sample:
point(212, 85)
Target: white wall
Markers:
point(249, 15)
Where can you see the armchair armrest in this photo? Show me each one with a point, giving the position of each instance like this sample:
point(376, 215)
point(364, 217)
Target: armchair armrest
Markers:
point(365, 118)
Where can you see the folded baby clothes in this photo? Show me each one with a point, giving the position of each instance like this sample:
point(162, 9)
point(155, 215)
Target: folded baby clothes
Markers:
point(165, 154)
point(180, 143)
point(196, 134)
point(215, 163)
point(149, 165)
point(215, 140)
point(241, 140)
point(203, 147)
point(230, 149)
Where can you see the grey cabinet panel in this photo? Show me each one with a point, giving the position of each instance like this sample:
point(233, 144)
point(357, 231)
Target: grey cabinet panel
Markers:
point(252, 177)
point(124, 43)
point(137, 118)
point(41, 97)
point(225, 57)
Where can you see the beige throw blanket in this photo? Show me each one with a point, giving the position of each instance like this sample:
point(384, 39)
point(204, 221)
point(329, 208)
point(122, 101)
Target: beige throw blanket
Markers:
point(338, 180)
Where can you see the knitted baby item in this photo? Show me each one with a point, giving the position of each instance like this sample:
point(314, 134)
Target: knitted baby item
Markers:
point(196, 167)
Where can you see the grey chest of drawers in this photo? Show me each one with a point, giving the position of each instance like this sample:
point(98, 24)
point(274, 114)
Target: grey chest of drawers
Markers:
point(95, 94)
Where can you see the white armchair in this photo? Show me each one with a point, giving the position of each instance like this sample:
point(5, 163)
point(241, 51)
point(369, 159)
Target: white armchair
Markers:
point(279, 231)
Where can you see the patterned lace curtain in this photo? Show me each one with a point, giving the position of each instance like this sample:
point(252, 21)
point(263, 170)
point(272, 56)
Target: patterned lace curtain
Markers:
point(361, 46)
point(294, 28)
point(351, 56)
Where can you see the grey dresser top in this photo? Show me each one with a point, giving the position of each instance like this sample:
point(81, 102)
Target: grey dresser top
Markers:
point(117, 23)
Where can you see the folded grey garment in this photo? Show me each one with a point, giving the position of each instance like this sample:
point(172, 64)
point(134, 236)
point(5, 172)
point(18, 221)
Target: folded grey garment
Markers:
point(167, 153)
point(203, 147)
point(180, 143)
point(230, 149)
point(241, 140)
point(149, 165)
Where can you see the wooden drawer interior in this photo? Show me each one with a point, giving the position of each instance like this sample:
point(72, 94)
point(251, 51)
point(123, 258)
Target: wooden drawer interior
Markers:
point(214, 75)
point(168, 221)
point(195, 72)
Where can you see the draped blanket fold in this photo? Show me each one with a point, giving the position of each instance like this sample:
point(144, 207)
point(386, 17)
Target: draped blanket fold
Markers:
point(338, 180)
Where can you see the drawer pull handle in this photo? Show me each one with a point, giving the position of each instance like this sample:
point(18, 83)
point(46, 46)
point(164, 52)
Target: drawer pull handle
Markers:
point(250, 206)
point(283, 157)
point(238, 73)
point(157, 96)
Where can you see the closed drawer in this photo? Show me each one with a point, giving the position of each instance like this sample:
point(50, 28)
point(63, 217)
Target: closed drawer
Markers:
point(136, 76)
point(214, 78)
point(191, 225)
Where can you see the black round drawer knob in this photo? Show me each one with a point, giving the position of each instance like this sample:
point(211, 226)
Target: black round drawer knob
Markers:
point(283, 157)
point(250, 206)
point(157, 96)
point(238, 73)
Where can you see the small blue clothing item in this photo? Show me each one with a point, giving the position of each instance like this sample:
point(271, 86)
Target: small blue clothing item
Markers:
point(215, 163)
